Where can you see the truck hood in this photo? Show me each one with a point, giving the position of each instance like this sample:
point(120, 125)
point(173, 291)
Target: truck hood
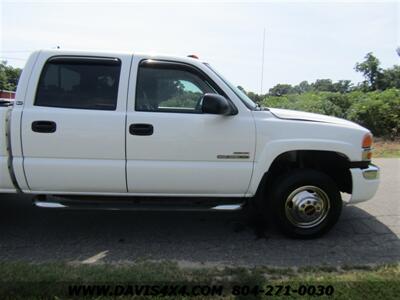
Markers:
point(305, 116)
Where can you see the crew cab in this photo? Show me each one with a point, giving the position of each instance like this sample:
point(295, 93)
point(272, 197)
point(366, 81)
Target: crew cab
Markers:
point(124, 130)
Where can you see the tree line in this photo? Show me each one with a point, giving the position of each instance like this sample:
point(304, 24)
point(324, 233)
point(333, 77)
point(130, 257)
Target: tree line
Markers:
point(375, 78)
point(373, 103)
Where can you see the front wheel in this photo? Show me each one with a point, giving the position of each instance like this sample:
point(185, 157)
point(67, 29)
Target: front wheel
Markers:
point(305, 203)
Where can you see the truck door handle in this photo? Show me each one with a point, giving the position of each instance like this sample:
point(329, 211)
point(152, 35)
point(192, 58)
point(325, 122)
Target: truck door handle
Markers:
point(141, 129)
point(44, 126)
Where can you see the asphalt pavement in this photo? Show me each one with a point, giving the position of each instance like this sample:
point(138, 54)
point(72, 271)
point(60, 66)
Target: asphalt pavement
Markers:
point(366, 234)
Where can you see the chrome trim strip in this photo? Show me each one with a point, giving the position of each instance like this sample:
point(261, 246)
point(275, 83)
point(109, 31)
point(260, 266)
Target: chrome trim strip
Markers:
point(227, 207)
point(133, 207)
point(44, 204)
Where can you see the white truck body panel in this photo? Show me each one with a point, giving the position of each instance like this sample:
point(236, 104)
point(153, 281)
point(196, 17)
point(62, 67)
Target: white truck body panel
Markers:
point(180, 158)
point(87, 148)
point(276, 136)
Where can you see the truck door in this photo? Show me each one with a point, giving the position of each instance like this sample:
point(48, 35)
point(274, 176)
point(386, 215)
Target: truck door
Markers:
point(175, 149)
point(73, 124)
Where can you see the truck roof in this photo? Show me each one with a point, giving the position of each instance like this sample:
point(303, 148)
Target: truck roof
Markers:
point(116, 53)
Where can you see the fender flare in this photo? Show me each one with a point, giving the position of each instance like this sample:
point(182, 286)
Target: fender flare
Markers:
point(271, 151)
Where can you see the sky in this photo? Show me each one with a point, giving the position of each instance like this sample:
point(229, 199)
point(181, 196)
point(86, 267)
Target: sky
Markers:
point(304, 40)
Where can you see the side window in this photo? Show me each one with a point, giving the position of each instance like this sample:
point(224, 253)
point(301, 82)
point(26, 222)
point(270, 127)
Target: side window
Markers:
point(83, 83)
point(169, 89)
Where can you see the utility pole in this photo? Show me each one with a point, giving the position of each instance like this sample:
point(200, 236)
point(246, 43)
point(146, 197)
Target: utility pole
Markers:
point(262, 63)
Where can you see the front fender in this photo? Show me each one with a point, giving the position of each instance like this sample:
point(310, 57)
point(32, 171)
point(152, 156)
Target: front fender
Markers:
point(270, 151)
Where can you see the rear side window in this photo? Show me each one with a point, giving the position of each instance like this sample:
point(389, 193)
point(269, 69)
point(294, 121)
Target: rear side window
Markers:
point(83, 83)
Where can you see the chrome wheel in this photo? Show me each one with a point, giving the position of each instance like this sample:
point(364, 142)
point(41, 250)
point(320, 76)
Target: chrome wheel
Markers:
point(307, 206)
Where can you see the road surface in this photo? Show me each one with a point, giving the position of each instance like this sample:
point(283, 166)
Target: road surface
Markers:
point(366, 234)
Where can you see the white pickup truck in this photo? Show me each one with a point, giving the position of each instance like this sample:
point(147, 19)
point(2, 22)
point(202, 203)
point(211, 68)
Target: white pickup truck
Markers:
point(126, 131)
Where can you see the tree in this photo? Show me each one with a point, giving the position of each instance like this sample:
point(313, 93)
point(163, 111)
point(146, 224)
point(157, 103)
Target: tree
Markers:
point(323, 85)
point(3, 77)
point(3, 81)
point(303, 87)
point(371, 72)
point(13, 75)
point(390, 78)
point(255, 97)
point(8, 76)
point(281, 89)
point(343, 86)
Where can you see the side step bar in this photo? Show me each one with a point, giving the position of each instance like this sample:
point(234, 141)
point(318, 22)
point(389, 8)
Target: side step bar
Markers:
point(133, 206)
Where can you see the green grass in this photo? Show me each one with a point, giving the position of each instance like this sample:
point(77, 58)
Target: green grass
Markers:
point(386, 148)
point(35, 281)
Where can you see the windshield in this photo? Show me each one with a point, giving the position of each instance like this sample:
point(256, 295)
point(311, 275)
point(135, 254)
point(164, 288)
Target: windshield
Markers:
point(242, 96)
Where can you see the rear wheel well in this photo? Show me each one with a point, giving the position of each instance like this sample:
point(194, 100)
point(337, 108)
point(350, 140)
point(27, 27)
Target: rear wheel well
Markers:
point(335, 165)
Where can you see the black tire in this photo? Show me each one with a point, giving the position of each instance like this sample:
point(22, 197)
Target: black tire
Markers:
point(287, 213)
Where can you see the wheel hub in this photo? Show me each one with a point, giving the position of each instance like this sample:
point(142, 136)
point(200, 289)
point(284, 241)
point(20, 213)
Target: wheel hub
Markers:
point(307, 206)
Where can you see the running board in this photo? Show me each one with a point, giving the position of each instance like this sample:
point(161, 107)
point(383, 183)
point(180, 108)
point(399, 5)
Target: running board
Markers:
point(76, 205)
